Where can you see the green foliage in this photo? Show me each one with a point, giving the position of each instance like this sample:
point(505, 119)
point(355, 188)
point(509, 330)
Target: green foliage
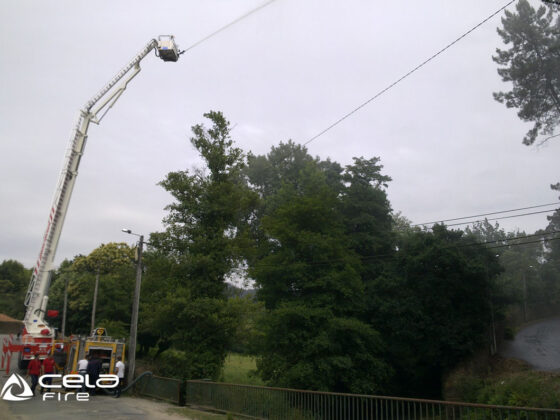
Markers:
point(308, 257)
point(174, 363)
point(432, 306)
point(531, 272)
point(198, 328)
point(245, 311)
point(531, 64)
point(105, 258)
point(114, 263)
point(310, 348)
point(205, 228)
point(529, 389)
point(14, 279)
point(367, 214)
point(312, 222)
point(185, 311)
point(520, 389)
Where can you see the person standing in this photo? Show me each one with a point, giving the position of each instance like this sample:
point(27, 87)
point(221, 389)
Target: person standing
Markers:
point(34, 370)
point(93, 370)
point(119, 370)
point(48, 369)
point(82, 370)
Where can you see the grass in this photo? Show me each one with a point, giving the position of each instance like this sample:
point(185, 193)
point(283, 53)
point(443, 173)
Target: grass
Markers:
point(240, 369)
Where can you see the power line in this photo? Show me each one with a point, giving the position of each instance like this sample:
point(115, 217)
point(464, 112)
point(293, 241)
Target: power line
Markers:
point(504, 217)
point(522, 243)
point(407, 74)
point(511, 239)
point(256, 9)
point(394, 256)
point(485, 214)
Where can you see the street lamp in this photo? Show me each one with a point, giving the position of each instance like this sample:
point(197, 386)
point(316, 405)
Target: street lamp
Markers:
point(135, 305)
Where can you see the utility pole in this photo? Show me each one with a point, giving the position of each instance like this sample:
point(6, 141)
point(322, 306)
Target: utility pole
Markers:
point(134, 318)
point(64, 308)
point(94, 300)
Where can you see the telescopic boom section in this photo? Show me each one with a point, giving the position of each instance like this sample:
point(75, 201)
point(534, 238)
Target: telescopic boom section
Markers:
point(93, 111)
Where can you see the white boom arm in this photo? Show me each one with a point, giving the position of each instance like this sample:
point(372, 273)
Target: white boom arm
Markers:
point(93, 111)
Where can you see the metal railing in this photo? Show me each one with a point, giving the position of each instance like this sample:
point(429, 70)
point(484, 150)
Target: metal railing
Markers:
point(279, 403)
point(167, 389)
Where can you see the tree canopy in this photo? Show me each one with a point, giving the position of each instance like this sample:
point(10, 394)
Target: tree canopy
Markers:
point(14, 280)
point(196, 254)
point(532, 65)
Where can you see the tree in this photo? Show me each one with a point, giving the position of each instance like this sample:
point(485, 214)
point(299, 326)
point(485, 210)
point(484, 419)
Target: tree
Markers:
point(105, 258)
point(367, 218)
point(308, 275)
point(532, 65)
point(206, 228)
point(432, 306)
point(111, 265)
point(14, 279)
point(310, 347)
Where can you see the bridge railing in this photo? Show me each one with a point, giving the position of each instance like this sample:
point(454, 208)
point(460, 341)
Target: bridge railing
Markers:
point(279, 404)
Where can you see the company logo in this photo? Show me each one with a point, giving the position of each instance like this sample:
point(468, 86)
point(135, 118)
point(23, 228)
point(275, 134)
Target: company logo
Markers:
point(16, 381)
point(68, 381)
point(79, 381)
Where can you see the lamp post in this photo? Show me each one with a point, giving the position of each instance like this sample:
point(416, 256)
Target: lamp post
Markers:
point(135, 305)
point(64, 307)
point(94, 307)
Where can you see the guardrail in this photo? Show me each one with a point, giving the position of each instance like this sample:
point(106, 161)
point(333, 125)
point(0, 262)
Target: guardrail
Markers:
point(168, 389)
point(279, 404)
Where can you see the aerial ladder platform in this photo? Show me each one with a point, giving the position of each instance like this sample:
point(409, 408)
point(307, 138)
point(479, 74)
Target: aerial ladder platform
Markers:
point(37, 335)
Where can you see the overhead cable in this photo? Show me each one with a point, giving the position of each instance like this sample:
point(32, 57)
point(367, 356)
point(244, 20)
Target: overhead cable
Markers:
point(485, 214)
point(504, 217)
point(395, 255)
point(377, 95)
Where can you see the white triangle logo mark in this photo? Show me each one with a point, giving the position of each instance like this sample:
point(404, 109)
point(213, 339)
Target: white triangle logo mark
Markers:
point(17, 381)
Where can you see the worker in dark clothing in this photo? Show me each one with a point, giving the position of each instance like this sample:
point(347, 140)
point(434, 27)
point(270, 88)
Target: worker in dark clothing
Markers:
point(93, 370)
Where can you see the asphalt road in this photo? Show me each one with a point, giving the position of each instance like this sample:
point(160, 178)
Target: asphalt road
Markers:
point(99, 407)
point(538, 344)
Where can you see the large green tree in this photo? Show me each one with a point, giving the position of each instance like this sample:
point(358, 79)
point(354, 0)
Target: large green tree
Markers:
point(308, 275)
point(432, 306)
point(196, 254)
point(532, 65)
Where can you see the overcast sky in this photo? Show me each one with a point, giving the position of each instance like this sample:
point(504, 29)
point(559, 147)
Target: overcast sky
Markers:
point(286, 72)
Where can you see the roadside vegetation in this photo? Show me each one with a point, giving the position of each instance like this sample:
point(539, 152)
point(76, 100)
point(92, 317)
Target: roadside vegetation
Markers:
point(507, 382)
